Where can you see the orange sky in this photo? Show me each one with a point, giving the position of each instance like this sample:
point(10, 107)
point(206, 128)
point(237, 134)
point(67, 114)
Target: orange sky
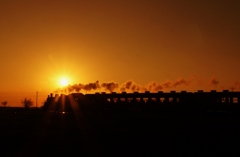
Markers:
point(110, 40)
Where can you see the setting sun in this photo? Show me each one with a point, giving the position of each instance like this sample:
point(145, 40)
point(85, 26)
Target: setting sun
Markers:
point(64, 82)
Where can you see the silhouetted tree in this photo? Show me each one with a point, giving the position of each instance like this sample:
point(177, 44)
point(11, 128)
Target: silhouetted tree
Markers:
point(27, 103)
point(4, 103)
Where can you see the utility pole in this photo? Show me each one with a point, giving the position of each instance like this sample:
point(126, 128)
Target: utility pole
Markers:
point(36, 98)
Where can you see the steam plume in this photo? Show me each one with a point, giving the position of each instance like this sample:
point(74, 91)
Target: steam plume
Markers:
point(128, 86)
point(109, 86)
point(214, 82)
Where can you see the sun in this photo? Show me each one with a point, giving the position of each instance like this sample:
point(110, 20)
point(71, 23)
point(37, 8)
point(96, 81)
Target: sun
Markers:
point(63, 82)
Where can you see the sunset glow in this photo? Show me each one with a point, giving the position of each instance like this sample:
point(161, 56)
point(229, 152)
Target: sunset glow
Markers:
point(158, 45)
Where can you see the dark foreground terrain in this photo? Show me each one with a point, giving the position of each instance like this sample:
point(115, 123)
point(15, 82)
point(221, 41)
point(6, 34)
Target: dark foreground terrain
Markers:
point(37, 133)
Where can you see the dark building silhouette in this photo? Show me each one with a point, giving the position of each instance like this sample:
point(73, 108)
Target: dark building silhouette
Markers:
point(173, 101)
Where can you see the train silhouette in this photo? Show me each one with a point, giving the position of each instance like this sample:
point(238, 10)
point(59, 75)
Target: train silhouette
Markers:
point(160, 102)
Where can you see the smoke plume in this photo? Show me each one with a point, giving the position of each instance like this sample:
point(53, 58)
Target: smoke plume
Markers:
point(128, 86)
point(214, 82)
point(109, 86)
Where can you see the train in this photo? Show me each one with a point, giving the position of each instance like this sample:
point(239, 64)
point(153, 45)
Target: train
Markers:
point(158, 102)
